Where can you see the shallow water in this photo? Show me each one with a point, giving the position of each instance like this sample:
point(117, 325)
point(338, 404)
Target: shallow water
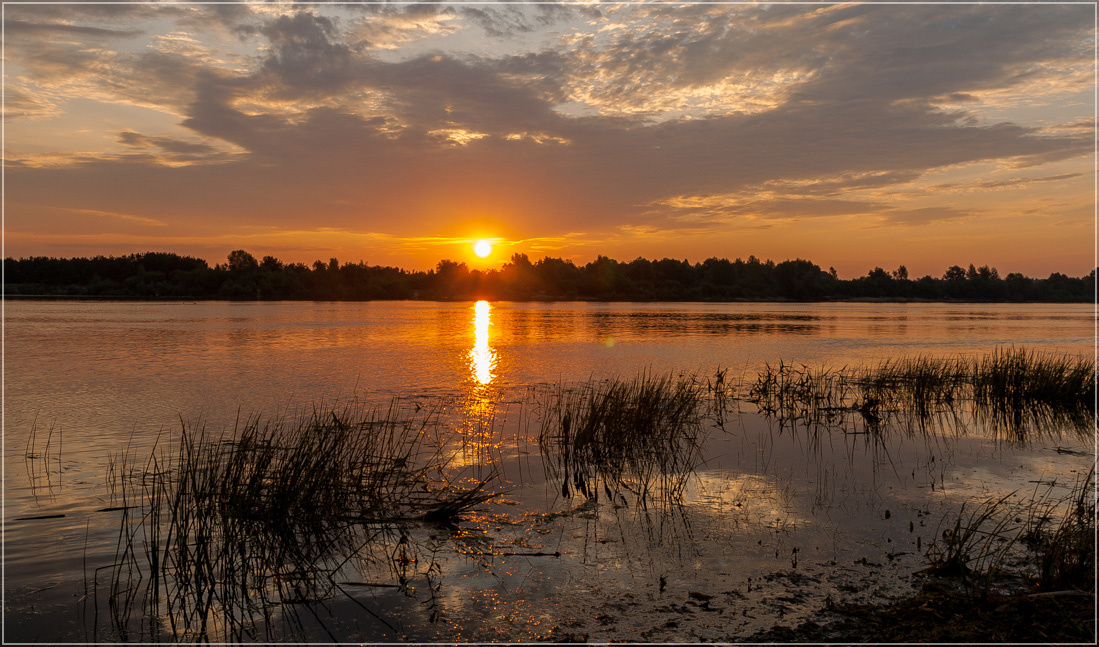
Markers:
point(774, 519)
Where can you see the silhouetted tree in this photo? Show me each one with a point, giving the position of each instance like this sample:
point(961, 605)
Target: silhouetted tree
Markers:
point(241, 261)
point(160, 274)
point(954, 273)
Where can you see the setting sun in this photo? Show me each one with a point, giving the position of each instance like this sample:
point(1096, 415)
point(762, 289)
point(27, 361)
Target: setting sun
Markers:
point(482, 248)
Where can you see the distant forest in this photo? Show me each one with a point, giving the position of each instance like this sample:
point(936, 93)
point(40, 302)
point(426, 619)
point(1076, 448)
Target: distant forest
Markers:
point(166, 275)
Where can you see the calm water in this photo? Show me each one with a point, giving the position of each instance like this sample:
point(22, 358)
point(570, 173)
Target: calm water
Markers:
point(96, 379)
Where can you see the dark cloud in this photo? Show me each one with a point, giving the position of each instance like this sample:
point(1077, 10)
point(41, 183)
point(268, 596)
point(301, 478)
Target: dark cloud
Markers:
point(305, 54)
point(854, 107)
point(505, 20)
point(1010, 183)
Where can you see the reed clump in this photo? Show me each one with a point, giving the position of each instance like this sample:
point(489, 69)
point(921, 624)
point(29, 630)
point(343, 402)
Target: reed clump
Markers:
point(640, 435)
point(976, 541)
point(800, 393)
point(918, 384)
point(1015, 378)
point(1058, 535)
point(219, 535)
point(1065, 552)
point(1012, 389)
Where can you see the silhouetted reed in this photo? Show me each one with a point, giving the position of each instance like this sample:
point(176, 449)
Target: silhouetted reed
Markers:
point(800, 393)
point(219, 538)
point(641, 435)
point(1065, 550)
point(973, 545)
point(1015, 393)
point(1015, 378)
point(1058, 533)
point(917, 384)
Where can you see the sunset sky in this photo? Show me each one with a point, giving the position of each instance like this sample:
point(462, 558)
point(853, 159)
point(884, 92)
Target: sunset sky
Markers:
point(851, 135)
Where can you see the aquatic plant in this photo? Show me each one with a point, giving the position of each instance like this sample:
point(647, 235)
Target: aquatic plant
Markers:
point(1015, 378)
point(1014, 392)
point(640, 435)
point(975, 540)
point(917, 384)
point(220, 537)
point(1059, 533)
point(720, 392)
point(801, 393)
point(1065, 552)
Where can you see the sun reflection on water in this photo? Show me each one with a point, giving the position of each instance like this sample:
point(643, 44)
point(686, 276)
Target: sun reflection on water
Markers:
point(482, 358)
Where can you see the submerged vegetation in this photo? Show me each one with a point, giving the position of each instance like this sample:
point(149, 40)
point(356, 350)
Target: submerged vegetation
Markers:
point(167, 275)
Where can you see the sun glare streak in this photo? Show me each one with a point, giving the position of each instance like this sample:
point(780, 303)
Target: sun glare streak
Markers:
point(482, 357)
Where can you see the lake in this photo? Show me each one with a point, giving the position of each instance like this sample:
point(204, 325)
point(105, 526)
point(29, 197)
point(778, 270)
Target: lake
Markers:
point(772, 519)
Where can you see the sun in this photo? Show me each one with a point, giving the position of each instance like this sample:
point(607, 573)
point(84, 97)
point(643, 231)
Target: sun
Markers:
point(482, 248)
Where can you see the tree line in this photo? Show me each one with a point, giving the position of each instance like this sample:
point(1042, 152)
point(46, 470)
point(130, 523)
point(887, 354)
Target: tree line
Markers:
point(242, 276)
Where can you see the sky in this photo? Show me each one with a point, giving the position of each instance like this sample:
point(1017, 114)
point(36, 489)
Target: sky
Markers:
point(852, 135)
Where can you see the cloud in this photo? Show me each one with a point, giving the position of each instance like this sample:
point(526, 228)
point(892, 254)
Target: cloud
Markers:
point(389, 27)
point(1008, 183)
point(305, 53)
point(21, 28)
point(21, 102)
point(649, 116)
point(142, 220)
point(925, 215)
point(503, 21)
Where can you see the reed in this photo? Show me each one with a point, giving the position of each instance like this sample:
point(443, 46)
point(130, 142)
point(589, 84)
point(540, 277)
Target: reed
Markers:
point(1065, 554)
point(1014, 391)
point(1015, 378)
point(237, 528)
point(973, 545)
point(916, 384)
point(800, 393)
point(640, 435)
point(1059, 534)
point(720, 392)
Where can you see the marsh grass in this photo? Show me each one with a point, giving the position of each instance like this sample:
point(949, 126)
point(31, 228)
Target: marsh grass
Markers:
point(1064, 551)
point(230, 533)
point(1058, 534)
point(1013, 392)
point(640, 435)
point(801, 393)
point(974, 542)
point(721, 391)
point(917, 384)
point(1014, 378)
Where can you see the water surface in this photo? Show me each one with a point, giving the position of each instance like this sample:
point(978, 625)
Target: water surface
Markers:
point(777, 519)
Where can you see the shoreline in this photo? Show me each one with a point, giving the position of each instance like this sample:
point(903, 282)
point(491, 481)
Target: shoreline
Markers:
point(97, 297)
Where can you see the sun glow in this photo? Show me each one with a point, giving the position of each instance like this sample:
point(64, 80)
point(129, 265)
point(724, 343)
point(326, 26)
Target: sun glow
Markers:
point(482, 248)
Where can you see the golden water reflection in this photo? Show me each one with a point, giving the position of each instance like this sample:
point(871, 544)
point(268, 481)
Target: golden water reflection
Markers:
point(482, 359)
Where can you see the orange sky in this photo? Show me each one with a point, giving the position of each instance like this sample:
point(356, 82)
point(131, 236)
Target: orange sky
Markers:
point(852, 135)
